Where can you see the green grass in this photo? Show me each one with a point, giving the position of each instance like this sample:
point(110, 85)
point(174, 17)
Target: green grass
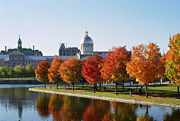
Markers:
point(18, 78)
point(158, 94)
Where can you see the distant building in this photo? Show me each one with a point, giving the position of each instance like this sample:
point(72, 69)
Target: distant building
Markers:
point(67, 51)
point(87, 48)
point(24, 56)
point(26, 51)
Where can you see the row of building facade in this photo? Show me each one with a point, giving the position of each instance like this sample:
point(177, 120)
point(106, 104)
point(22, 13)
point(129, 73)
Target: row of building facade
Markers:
point(27, 56)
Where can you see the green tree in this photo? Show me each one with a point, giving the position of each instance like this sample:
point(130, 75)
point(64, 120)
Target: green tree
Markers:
point(10, 72)
point(4, 71)
point(30, 70)
point(19, 70)
point(172, 65)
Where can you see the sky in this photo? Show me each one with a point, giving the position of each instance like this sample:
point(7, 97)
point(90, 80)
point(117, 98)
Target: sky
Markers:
point(110, 23)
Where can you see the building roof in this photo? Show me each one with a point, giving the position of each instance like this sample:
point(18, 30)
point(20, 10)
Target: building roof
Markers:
point(86, 39)
point(16, 53)
point(44, 58)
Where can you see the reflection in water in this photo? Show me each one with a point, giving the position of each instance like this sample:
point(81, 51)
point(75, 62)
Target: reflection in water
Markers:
point(174, 116)
point(66, 108)
point(41, 105)
point(96, 110)
point(21, 104)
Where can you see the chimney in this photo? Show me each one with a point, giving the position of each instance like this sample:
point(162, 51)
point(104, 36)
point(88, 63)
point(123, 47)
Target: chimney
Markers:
point(5, 48)
point(33, 47)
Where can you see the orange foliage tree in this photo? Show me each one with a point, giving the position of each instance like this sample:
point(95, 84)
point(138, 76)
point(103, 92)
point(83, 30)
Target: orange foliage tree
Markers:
point(144, 64)
point(172, 59)
point(70, 71)
point(114, 67)
point(54, 75)
point(42, 72)
point(91, 70)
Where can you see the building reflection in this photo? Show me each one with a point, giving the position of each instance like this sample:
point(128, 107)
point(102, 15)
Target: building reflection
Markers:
point(16, 99)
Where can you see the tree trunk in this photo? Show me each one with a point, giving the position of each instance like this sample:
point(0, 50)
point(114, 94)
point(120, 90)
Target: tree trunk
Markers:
point(116, 88)
point(178, 90)
point(82, 83)
point(57, 85)
point(44, 85)
point(100, 85)
point(73, 86)
point(94, 88)
point(123, 86)
point(146, 89)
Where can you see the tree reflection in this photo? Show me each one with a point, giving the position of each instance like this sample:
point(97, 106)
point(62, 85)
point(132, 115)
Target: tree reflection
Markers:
point(55, 105)
point(42, 105)
point(96, 110)
point(174, 116)
point(124, 111)
point(145, 118)
point(67, 108)
point(73, 108)
point(62, 108)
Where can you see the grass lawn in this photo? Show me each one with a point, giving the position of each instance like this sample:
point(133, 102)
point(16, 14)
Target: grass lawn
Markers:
point(17, 78)
point(158, 94)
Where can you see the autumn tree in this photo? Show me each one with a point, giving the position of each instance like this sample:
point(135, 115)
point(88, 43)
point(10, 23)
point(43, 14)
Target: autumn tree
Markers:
point(144, 64)
point(114, 67)
point(54, 75)
point(91, 70)
point(172, 59)
point(42, 72)
point(70, 71)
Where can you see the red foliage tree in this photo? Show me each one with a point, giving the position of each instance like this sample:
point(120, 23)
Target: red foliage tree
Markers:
point(114, 67)
point(91, 70)
point(42, 72)
point(70, 71)
point(54, 75)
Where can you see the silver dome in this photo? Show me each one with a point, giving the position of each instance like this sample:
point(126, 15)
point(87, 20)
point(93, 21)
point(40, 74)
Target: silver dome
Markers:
point(86, 39)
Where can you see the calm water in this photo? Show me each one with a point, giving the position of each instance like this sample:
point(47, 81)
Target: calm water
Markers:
point(20, 104)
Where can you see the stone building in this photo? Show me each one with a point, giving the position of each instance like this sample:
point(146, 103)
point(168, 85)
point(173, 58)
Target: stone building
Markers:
point(26, 51)
point(67, 51)
point(23, 56)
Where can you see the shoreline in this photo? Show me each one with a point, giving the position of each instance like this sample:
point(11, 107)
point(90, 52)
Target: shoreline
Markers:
point(28, 80)
point(108, 98)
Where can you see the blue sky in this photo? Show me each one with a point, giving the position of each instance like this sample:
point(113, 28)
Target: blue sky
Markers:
point(110, 23)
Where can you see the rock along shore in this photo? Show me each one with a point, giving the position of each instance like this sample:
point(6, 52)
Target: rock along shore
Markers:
point(107, 98)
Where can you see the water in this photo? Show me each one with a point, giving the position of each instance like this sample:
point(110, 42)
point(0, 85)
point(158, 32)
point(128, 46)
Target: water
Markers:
point(19, 104)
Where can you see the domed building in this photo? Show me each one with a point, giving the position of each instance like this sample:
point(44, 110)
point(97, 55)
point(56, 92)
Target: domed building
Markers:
point(87, 48)
point(86, 45)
